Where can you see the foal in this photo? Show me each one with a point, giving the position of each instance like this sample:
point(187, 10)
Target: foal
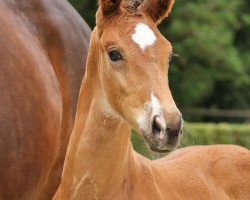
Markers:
point(125, 86)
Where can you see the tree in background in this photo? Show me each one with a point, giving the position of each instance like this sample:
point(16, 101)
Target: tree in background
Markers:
point(87, 9)
point(211, 69)
point(212, 38)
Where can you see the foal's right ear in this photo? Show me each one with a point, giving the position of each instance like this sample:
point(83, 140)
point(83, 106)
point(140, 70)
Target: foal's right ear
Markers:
point(109, 6)
point(157, 9)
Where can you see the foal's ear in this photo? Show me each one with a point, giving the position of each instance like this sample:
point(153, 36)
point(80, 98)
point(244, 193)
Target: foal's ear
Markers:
point(157, 9)
point(109, 6)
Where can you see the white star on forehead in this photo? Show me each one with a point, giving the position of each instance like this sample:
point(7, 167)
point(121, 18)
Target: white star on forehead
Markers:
point(143, 36)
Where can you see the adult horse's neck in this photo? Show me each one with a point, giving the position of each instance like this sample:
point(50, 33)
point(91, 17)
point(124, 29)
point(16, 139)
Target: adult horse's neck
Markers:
point(100, 153)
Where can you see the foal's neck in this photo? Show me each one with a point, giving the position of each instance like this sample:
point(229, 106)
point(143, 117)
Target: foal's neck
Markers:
point(100, 154)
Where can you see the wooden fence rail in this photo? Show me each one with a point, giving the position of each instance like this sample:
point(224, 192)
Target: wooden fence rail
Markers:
point(243, 114)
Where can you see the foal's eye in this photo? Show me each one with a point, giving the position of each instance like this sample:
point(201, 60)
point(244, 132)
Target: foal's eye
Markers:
point(114, 56)
point(170, 57)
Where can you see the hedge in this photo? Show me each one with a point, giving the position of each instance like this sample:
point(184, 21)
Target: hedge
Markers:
point(202, 134)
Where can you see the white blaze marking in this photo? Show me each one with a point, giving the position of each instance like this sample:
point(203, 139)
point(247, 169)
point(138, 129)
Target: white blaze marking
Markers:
point(143, 36)
point(153, 109)
point(156, 108)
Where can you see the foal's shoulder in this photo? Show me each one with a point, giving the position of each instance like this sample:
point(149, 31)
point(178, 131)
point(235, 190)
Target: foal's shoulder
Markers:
point(210, 151)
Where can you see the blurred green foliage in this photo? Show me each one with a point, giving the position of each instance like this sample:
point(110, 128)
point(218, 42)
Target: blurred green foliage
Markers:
point(214, 69)
point(212, 38)
point(201, 134)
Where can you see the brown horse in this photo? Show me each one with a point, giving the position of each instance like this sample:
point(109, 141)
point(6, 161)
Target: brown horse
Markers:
point(125, 86)
point(43, 48)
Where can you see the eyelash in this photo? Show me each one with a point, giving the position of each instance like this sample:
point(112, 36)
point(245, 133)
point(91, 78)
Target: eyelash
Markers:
point(171, 56)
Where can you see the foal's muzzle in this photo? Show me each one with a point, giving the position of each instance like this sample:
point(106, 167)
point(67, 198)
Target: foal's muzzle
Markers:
point(164, 136)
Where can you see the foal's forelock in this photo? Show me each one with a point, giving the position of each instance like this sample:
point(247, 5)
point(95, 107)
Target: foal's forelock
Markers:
point(157, 10)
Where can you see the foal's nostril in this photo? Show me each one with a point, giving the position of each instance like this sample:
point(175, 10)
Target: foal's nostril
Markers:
point(172, 134)
point(156, 127)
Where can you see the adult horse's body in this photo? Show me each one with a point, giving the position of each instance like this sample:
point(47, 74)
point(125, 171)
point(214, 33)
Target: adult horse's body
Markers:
point(43, 47)
point(125, 86)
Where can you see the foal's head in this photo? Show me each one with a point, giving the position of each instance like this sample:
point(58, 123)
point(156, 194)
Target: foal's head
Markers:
point(134, 59)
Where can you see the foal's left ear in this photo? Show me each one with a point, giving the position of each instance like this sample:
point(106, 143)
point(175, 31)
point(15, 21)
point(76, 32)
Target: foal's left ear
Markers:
point(157, 9)
point(109, 6)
